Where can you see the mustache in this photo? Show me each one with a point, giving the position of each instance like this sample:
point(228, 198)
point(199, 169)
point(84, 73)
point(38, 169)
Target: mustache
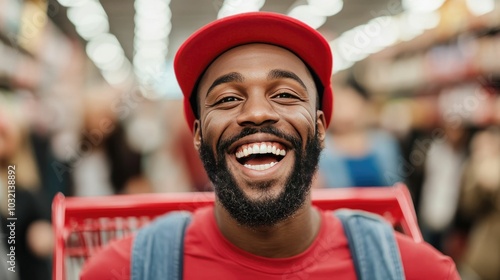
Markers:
point(224, 144)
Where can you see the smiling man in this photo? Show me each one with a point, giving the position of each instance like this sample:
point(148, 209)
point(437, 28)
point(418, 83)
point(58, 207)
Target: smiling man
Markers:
point(258, 100)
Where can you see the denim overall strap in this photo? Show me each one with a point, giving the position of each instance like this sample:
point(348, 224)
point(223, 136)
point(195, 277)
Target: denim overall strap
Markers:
point(373, 245)
point(158, 248)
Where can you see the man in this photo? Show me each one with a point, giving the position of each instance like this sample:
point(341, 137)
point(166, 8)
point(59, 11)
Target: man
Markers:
point(258, 100)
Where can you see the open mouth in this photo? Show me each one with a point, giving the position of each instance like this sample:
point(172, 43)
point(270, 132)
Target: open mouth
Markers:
point(260, 155)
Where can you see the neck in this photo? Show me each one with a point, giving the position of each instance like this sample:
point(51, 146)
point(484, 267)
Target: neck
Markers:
point(284, 239)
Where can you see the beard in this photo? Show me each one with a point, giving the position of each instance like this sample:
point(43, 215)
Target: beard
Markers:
point(268, 210)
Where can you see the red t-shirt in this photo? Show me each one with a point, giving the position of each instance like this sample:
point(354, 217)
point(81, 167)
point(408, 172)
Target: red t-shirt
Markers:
point(209, 255)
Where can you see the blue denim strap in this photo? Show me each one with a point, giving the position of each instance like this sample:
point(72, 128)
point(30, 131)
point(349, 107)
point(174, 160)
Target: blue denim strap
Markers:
point(158, 248)
point(373, 245)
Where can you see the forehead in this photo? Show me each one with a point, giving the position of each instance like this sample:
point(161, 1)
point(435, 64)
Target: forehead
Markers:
point(248, 59)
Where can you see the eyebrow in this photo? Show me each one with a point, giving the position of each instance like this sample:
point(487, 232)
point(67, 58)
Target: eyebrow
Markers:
point(226, 78)
point(284, 74)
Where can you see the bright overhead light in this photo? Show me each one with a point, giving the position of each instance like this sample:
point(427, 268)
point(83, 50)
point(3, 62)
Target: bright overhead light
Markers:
point(326, 8)
point(89, 19)
point(79, 15)
point(150, 6)
point(152, 34)
point(151, 53)
point(159, 44)
point(118, 76)
point(422, 21)
point(114, 64)
point(480, 7)
point(309, 15)
point(422, 6)
point(385, 32)
point(92, 25)
point(72, 3)
point(379, 33)
point(233, 7)
point(409, 28)
point(339, 62)
point(145, 21)
point(348, 49)
point(104, 49)
point(152, 28)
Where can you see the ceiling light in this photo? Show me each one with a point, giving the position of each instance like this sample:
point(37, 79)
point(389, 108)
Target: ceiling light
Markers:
point(233, 7)
point(388, 34)
point(422, 6)
point(309, 15)
point(339, 63)
point(78, 15)
point(92, 25)
point(104, 50)
point(150, 6)
point(326, 7)
point(72, 3)
point(119, 76)
point(480, 7)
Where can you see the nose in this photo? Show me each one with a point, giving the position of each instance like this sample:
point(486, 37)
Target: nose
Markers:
point(257, 110)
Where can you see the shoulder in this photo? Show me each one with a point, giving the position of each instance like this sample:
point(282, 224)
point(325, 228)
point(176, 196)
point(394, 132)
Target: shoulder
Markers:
point(422, 261)
point(112, 262)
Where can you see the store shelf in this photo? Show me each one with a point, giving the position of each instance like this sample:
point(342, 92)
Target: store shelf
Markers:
point(442, 57)
point(33, 57)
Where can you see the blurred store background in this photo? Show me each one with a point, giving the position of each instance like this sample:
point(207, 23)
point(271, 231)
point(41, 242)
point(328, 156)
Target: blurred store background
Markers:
point(89, 105)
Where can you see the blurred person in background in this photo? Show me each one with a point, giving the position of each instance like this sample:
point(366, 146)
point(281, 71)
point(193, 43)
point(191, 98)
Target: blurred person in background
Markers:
point(34, 236)
point(480, 207)
point(412, 120)
point(105, 163)
point(443, 168)
point(357, 154)
point(171, 162)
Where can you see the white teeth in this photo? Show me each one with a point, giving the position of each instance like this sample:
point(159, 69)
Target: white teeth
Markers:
point(263, 148)
point(261, 167)
point(256, 149)
point(260, 149)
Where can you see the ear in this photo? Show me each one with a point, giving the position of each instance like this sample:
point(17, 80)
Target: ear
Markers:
point(321, 125)
point(197, 135)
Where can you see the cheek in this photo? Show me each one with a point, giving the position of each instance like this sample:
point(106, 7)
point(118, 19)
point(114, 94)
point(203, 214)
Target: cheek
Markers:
point(302, 119)
point(212, 127)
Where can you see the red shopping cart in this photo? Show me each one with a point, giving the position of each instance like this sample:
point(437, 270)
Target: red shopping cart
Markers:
point(83, 225)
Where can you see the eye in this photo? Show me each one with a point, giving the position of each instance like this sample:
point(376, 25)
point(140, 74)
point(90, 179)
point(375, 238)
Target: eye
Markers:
point(285, 95)
point(227, 100)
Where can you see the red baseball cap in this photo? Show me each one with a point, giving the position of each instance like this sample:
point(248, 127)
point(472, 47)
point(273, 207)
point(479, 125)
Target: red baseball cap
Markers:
point(210, 41)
